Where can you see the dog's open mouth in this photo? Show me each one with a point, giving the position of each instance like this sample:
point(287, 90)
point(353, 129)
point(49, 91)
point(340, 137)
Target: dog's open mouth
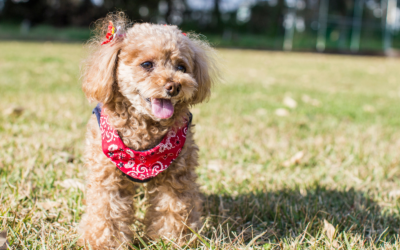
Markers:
point(161, 108)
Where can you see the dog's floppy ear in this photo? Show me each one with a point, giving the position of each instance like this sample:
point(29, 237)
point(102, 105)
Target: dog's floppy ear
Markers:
point(205, 71)
point(100, 68)
point(99, 74)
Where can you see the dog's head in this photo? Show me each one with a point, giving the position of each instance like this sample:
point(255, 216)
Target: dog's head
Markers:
point(156, 67)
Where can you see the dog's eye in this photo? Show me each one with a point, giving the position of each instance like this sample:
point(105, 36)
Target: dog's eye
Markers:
point(147, 65)
point(181, 68)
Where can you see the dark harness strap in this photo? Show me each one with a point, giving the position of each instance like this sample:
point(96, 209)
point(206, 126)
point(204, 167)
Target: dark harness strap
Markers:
point(97, 112)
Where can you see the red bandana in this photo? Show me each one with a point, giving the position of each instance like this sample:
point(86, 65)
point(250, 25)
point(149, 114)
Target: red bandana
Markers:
point(141, 165)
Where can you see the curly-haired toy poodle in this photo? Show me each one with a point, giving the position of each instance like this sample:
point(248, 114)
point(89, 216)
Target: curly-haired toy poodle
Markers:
point(144, 78)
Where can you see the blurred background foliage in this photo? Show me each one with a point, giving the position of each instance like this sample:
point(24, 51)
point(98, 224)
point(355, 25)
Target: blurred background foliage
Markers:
point(355, 26)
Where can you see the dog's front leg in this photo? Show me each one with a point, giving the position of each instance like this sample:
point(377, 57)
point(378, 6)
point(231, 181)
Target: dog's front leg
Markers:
point(175, 205)
point(109, 198)
point(109, 213)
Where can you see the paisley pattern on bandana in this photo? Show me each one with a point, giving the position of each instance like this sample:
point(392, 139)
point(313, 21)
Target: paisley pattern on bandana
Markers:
point(141, 165)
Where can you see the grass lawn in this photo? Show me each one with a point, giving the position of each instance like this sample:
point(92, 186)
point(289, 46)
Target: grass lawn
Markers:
point(297, 150)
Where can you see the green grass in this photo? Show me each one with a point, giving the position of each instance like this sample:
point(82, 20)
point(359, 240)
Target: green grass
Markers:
point(44, 32)
point(334, 157)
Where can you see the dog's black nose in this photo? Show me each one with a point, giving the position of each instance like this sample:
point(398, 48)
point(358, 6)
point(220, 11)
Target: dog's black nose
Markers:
point(172, 88)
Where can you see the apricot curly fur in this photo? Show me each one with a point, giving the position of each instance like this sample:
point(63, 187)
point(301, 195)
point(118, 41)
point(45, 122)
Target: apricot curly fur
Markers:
point(112, 75)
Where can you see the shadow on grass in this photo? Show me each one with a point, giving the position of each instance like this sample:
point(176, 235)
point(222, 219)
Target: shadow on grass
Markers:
point(289, 213)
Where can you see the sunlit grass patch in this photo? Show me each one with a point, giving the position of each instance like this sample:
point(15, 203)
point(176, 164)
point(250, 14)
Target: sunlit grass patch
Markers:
point(288, 141)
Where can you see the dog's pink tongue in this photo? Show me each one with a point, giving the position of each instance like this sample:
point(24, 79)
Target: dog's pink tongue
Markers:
point(162, 108)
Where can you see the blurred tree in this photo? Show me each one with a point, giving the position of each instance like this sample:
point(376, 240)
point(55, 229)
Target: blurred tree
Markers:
point(216, 23)
point(17, 10)
point(76, 12)
point(168, 12)
point(266, 18)
point(263, 17)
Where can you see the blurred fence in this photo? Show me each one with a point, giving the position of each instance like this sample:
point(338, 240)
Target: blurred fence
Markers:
point(365, 26)
point(321, 25)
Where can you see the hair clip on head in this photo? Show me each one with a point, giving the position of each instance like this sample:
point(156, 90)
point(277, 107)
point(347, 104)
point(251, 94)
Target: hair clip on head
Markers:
point(112, 33)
